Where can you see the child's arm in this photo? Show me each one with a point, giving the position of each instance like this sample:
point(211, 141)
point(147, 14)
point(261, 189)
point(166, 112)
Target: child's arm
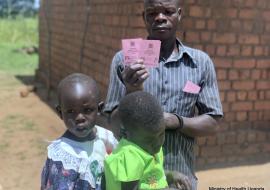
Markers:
point(178, 180)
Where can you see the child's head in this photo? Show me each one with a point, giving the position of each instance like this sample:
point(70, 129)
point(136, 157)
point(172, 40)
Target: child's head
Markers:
point(78, 99)
point(142, 117)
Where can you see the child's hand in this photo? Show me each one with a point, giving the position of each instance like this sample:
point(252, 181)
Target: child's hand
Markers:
point(178, 180)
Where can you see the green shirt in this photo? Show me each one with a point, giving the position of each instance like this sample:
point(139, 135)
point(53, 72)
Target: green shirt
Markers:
point(129, 162)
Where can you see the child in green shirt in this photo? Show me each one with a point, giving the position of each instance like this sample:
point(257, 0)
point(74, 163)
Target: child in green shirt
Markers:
point(137, 162)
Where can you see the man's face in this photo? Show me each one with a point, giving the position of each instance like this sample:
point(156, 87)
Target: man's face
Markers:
point(161, 18)
point(79, 109)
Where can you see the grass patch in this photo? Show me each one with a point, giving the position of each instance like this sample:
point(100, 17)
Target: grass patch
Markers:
point(18, 123)
point(14, 35)
point(3, 146)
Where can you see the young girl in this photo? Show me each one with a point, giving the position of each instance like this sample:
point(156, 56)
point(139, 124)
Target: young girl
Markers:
point(137, 162)
point(75, 160)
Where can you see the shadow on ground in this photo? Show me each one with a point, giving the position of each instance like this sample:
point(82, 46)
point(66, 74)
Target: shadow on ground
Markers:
point(51, 100)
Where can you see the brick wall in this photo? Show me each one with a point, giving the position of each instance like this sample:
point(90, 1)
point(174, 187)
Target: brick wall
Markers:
point(77, 35)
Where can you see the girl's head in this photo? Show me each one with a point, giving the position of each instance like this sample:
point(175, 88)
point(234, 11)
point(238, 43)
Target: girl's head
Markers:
point(142, 117)
point(78, 98)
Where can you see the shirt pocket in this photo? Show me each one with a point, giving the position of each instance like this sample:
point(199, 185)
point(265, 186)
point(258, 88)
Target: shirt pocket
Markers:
point(186, 103)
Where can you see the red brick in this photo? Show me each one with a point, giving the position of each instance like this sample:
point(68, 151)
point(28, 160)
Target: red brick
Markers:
point(252, 95)
point(247, 13)
point(210, 151)
point(246, 51)
point(201, 140)
point(243, 85)
point(205, 36)
point(263, 63)
point(222, 63)
point(266, 15)
point(212, 140)
point(256, 74)
point(242, 106)
point(200, 12)
point(258, 51)
point(242, 95)
point(263, 85)
point(221, 50)
point(222, 96)
point(233, 75)
point(230, 116)
point(137, 21)
point(231, 96)
point(226, 38)
point(241, 137)
point(241, 116)
point(233, 50)
point(261, 95)
point(221, 74)
point(244, 74)
point(224, 85)
point(251, 149)
point(211, 25)
point(192, 37)
point(245, 63)
point(253, 116)
point(248, 39)
point(262, 105)
point(200, 24)
point(267, 96)
point(250, 3)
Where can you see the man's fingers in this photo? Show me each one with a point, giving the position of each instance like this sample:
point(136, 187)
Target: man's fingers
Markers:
point(129, 71)
point(141, 79)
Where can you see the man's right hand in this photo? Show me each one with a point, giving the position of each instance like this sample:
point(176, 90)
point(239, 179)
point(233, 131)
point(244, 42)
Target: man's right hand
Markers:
point(134, 75)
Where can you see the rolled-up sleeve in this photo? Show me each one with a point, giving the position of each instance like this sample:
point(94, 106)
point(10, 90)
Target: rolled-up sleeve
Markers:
point(116, 88)
point(208, 101)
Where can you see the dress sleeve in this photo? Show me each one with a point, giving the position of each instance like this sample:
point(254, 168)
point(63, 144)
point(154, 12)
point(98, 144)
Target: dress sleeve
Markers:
point(127, 166)
point(116, 88)
point(208, 100)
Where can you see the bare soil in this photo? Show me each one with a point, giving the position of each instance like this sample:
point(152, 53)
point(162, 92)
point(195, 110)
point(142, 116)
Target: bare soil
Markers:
point(27, 124)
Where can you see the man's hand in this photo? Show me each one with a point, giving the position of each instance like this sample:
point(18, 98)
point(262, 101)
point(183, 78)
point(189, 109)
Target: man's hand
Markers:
point(134, 75)
point(178, 180)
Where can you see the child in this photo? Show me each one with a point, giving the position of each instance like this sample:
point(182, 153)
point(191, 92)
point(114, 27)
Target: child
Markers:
point(137, 162)
point(75, 160)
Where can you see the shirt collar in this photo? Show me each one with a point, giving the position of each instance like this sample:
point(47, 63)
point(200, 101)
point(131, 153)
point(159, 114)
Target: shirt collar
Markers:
point(182, 51)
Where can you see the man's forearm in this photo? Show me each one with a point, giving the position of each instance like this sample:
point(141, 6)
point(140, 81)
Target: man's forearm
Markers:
point(203, 125)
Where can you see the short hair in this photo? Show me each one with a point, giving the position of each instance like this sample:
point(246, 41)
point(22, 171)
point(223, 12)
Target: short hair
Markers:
point(178, 2)
point(76, 78)
point(140, 109)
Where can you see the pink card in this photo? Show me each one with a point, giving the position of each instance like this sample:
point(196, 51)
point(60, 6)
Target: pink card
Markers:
point(135, 49)
point(131, 49)
point(190, 87)
point(150, 50)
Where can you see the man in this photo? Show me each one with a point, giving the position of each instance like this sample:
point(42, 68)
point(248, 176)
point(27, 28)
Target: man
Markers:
point(181, 70)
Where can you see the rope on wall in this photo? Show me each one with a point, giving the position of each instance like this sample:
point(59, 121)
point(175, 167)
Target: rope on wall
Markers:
point(84, 34)
point(47, 10)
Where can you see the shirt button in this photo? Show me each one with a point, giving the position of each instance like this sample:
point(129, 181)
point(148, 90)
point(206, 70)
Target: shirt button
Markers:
point(166, 82)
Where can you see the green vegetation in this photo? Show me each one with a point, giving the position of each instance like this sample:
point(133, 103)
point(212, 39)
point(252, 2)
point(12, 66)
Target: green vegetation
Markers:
point(16, 34)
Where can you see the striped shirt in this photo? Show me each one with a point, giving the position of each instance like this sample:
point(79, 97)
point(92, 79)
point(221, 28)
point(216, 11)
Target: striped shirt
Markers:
point(166, 83)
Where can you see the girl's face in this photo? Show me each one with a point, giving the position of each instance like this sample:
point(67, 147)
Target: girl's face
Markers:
point(149, 140)
point(79, 108)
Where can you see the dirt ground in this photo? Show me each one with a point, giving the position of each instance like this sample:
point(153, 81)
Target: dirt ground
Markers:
point(28, 124)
